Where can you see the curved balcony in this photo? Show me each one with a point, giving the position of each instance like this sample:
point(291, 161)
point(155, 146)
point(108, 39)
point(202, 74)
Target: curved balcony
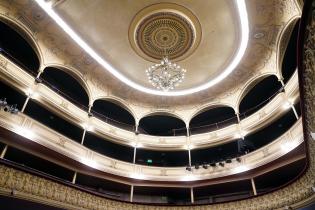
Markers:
point(49, 138)
point(22, 80)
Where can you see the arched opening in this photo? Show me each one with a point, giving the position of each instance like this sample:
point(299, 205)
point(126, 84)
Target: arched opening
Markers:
point(289, 63)
point(212, 119)
point(113, 113)
point(269, 133)
point(161, 158)
point(53, 121)
point(220, 153)
point(66, 85)
point(11, 95)
point(259, 95)
point(160, 125)
point(17, 49)
point(108, 148)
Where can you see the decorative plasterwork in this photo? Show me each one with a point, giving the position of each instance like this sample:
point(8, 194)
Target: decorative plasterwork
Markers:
point(296, 192)
point(164, 33)
point(219, 67)
point(164, 29)
point(290, 195)
point(48, 98)
point(268, 19)
point(39, 133)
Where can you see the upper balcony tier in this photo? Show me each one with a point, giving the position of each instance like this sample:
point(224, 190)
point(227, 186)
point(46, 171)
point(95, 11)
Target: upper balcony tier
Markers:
point(23, 81)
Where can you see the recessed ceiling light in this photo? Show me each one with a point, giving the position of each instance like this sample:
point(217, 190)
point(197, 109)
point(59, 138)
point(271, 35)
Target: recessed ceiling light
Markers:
point(89, 162)
point(137, 176)
point(188, 177)
point(25, 132)
point(287, 105)
point(288, 146)
point(87, 126)
point(241, 169)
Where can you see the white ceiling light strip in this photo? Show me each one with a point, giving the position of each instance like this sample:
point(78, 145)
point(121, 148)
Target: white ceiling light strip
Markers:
point(241, 6)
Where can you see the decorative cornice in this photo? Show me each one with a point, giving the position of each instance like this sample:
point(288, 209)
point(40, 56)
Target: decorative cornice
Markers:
point(34, 131)
point(55, 102)
point(58, 49)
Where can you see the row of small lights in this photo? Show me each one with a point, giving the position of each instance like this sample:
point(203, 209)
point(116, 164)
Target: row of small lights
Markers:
point(8, 108)
point(213, 164)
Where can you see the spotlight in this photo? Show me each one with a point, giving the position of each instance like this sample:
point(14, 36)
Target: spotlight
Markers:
point(238, 159)
point(213, 164)
point(221, 164)
point(6, 108)
point(38, 80)
point(205, 166)
point(13, 109)
point(3, 102)
point(228, 161)
point(188, 168)
point(196, 166)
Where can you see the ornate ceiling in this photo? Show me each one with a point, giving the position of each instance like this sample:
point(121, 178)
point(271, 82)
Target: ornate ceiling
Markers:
point(123, 33)
point(129, 35)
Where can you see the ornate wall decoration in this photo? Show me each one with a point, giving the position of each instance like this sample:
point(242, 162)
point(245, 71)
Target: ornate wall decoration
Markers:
point(61, 141)
point(39, 188)
point(257, 50)
point(64, 104)
point(3, 63)
point(130, 95)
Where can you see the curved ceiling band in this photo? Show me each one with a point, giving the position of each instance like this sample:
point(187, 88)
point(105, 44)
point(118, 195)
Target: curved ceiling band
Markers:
point(242, 12)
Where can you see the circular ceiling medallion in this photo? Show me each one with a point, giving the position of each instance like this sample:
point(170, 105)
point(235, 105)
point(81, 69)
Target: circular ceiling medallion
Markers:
point(164, 29)
point(165, 33)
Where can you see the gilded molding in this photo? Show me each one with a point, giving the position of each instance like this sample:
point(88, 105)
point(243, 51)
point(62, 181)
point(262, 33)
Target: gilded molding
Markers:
point(33, 187)
point(16, 76)
point(34, 131)
point(59, 50)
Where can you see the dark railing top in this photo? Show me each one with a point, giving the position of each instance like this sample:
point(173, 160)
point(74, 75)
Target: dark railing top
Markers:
point(111, 121)
point(228, 121)
point(17, 62)
point(261, 104)
point(97, 114)
point(63, 94)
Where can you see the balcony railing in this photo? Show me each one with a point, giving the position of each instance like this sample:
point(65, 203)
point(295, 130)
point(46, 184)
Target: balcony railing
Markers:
point(43, 135)
point(124, 136)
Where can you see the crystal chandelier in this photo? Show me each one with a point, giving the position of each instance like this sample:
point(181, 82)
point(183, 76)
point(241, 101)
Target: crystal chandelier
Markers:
point(165, 75)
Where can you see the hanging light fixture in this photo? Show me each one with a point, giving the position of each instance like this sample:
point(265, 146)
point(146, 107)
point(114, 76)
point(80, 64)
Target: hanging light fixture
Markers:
point(165, 75)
